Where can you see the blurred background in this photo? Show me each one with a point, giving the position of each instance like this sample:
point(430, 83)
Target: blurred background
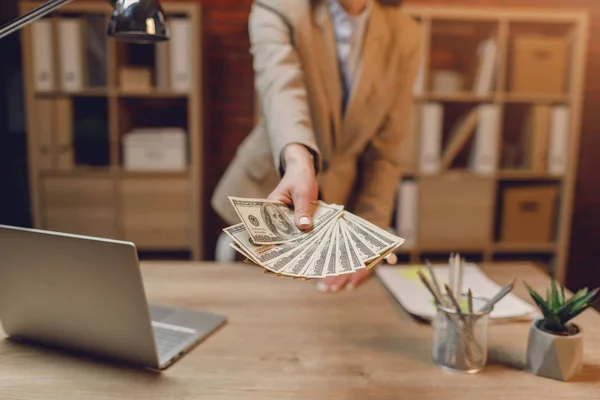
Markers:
point(128, 141)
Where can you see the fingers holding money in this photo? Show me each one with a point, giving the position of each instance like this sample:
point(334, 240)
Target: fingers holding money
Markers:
point(340, 251)
point(303, 197)
point(334, 284)
point(298, 186)
point(299, 192)
point(281, 195)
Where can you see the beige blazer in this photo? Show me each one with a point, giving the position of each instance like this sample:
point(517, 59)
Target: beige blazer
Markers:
point(299, 86)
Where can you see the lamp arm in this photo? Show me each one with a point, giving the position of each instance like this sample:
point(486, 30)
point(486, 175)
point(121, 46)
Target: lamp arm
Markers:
point(31, 16)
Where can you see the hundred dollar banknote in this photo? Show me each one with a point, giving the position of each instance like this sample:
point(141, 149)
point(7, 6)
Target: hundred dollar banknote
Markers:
point(339, 243)
point(272, 222)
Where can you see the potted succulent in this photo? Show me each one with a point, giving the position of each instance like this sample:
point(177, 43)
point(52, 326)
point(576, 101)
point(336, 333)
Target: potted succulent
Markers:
point(555, 346)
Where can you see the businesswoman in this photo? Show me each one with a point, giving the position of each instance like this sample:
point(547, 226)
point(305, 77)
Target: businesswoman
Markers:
point(335, 79)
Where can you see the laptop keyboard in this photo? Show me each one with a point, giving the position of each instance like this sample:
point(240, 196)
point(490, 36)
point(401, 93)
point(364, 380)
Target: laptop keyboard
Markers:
point(168, 339)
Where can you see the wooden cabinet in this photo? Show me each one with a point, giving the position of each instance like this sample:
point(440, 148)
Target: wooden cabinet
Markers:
point(81, 107)
point(498, 110)
point(85, 206)
point(156, 212)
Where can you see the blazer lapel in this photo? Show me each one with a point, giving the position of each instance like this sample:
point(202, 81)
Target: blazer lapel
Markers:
point(328, 64)
point(371, 64)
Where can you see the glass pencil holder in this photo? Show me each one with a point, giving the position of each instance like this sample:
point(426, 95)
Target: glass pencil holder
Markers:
point(460, 340)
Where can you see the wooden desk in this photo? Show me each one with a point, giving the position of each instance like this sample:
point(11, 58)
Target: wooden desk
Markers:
point(285, 340)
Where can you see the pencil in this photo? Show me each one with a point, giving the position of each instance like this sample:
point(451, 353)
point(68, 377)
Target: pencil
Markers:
point(455, 273)
point(470, 301)
point(431, 290)
point(459, 277)
point(433, 278)
point(453, 300)
point(451, 275)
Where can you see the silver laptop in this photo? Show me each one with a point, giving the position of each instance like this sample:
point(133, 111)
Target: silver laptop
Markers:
point(86, 294)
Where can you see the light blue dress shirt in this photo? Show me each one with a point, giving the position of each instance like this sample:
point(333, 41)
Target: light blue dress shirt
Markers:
point(349, 33)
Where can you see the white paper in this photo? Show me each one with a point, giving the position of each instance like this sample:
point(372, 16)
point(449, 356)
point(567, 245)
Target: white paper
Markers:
point(405, 285)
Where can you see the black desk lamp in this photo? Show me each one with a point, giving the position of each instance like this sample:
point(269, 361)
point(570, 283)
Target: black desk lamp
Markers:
point(135, 21)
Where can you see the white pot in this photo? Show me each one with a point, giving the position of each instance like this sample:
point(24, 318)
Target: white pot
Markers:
point(554, 356)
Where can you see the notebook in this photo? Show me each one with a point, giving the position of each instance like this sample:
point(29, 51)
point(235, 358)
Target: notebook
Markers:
point(404, 284)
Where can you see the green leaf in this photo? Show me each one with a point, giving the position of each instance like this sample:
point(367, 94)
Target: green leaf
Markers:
point(585, 298)
point(577, 306)
point(555, 300)
point(531, 291)
point(577, 312)
point(552, 321)
point(580, 293)
point(562, 294)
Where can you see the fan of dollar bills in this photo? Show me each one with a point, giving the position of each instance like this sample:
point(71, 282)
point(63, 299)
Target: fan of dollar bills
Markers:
point(338, 243)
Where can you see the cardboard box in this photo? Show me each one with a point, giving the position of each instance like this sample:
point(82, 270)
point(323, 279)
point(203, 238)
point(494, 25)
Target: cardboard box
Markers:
point(528, 214)
point(538, 65)
point(136, 79)
point(446, 81)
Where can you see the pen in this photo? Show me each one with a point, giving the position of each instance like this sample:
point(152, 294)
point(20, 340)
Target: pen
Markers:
point(499, 296)
point(433, 278)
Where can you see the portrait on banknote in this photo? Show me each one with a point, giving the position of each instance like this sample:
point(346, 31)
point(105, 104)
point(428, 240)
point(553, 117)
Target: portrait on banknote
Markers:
point(278, 223)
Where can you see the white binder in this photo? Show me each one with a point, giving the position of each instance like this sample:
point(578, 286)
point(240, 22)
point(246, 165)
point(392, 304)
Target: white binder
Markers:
point(488, 54)
point(558, 146)
point(181, 59)
point(432, 119)
point(71, 68)
point(484, 154)
point(42, 55)
point(406, 213)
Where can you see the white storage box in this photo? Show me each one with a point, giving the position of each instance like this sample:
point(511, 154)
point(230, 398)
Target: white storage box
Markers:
point(159, 149)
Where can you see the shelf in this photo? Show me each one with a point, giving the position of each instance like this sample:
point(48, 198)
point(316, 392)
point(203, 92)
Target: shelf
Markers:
point(451, 249)
point(112, 172)
point(523, 175)
point(438, 251)
point(505, 175)
point(79, 172)
point(80, 93)
point(154, 174)
point(524, 247)
point(151, 94)
point(466, 97)
point(456, 174)
point(113, 93)
point(535, 98)
point(503, 248)
point(459, 97)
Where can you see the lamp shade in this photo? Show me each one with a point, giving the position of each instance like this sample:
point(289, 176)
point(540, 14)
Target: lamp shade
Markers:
point(138, 21)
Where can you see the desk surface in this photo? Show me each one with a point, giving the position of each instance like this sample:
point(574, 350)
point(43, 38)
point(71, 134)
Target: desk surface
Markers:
point(285, 340)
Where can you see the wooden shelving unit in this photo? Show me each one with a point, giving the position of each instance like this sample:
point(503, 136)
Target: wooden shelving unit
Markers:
point(79, 184)
point(457, 208)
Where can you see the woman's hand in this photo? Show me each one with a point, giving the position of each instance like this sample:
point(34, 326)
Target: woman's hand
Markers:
point(298, 186)
point(334, 284)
